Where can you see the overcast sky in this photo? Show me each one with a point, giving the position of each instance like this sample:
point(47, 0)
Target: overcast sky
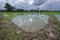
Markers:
point(33, 4)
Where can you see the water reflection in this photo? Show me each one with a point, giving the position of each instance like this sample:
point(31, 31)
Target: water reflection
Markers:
point(30, 22)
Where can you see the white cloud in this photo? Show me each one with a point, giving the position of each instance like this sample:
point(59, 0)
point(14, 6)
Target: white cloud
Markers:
point(32, 4)
point(21, 0)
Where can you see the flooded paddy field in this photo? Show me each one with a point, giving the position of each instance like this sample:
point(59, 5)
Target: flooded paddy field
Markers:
point(28, 22)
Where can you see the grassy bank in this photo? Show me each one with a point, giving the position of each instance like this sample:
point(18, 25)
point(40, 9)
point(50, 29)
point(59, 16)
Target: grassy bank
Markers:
point(11, 14)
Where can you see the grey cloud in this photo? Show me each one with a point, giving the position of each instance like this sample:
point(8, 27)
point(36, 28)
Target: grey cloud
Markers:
point(2, 4)
point(21, 5)
point(52, 5)
point(15, 3)
point(42, 5)
point(39, 2)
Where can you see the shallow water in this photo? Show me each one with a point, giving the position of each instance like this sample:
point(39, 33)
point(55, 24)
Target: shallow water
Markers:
point(6, 15)
point(30, 22)
point(58, 17)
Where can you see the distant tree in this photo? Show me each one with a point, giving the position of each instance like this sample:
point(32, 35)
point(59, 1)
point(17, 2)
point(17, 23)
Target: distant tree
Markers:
point(31, 10)
point(38, 9)
point(8, 7)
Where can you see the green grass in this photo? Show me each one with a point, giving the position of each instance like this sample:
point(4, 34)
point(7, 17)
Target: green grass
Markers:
point(21, 13)
point(11, 14)
point(11, 30)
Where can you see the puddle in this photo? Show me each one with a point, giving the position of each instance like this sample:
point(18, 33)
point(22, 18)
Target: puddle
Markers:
point(30, 22)
point(6, 15)
point(58, 17)
point(15, 14)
